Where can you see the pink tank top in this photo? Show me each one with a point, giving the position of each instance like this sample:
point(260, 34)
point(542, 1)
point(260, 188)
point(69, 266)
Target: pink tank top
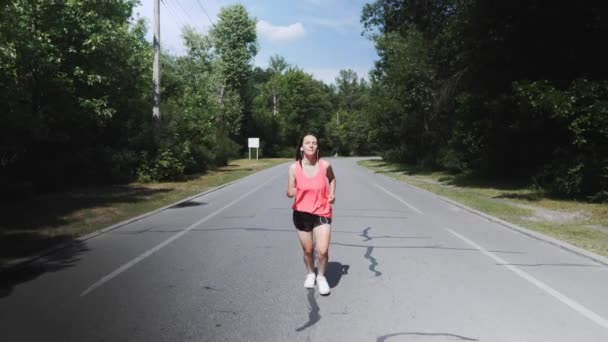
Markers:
point(312, 193)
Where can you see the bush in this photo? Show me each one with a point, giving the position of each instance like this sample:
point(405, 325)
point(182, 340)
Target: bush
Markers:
point(600, 197)
point(122, 165)
point(224, 150)
point(451, 160)
point(400, 154)
point(196, 158)
point(165, 167)
point(286, 152)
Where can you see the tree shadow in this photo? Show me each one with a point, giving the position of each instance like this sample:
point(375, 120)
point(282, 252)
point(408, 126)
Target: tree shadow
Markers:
point(60, 259)
point(405, 169)
point(473, 180)
point(188, 204)
point(49, 210)
point(234, 168)
point(531, 197)
point(478, 180)
point(225, 169)
point(23, 245)
point(527, 191)
point(28, 224)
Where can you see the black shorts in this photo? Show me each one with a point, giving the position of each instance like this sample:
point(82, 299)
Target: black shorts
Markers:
point(306, 222)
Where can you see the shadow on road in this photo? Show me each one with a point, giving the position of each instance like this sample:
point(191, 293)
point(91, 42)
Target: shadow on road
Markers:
point(55, 209)
point(188, 204)
point(313, 314)
point(334, 273)
point(33, 224)
point(61, 259)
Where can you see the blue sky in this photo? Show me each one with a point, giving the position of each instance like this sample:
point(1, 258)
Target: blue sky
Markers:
point(319, 36)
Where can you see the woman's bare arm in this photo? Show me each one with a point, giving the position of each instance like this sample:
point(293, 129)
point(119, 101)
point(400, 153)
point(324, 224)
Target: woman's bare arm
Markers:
point(332, 183)
point(291, 181)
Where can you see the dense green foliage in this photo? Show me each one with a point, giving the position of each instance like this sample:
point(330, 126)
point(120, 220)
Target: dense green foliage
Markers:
point(290, 104)
point(347, 130)
point(75, 97)
point(73, 91)
point(511, 89)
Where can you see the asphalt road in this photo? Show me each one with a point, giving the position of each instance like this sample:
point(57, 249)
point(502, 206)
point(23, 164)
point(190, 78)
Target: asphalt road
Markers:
point(227, 266)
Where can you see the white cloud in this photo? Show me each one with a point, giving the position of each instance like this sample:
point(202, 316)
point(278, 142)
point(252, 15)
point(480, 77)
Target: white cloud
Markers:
point(338, 24)
point(280, 33)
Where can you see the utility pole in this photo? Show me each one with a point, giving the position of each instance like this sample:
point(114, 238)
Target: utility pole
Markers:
point(156, 71)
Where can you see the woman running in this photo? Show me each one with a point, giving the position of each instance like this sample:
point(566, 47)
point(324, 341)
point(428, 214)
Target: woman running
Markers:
point(312, 182)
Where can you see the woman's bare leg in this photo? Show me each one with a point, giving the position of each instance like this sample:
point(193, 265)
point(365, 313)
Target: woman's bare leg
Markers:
point(322, 237)
point(307, 247)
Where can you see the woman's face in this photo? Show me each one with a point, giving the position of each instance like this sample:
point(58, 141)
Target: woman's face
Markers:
point(309, 145)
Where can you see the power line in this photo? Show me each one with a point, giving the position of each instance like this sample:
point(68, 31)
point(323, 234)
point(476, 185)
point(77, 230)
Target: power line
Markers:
point(204, 11)
point(183, 10)
point(195, 22)
point(176, 18)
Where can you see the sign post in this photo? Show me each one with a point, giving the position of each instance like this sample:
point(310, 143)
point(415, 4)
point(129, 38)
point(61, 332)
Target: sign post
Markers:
point(254, 143)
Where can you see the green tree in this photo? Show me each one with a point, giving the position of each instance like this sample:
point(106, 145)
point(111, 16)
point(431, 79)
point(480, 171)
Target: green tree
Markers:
point(405, 125)
point(267, 108)
point(486, 68)
point(71, 71)
point(235, 41)
point(305, 106)
point(277, 66)
point(347, 129)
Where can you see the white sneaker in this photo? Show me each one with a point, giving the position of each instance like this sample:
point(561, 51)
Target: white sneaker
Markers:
point(309, 283)
point(323, 285)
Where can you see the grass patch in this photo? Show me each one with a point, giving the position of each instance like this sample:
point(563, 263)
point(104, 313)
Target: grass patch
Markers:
point(31, 225)
point(582, 224)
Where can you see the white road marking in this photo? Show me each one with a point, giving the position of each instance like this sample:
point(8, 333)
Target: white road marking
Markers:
point(399, 199)
point(559, 296)
point(152, 250)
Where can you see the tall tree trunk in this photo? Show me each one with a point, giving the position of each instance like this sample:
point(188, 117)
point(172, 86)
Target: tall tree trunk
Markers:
point(221, 99)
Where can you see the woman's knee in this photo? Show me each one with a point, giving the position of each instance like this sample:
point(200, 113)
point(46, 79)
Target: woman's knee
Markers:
point(322, 253)
point(308, 250)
